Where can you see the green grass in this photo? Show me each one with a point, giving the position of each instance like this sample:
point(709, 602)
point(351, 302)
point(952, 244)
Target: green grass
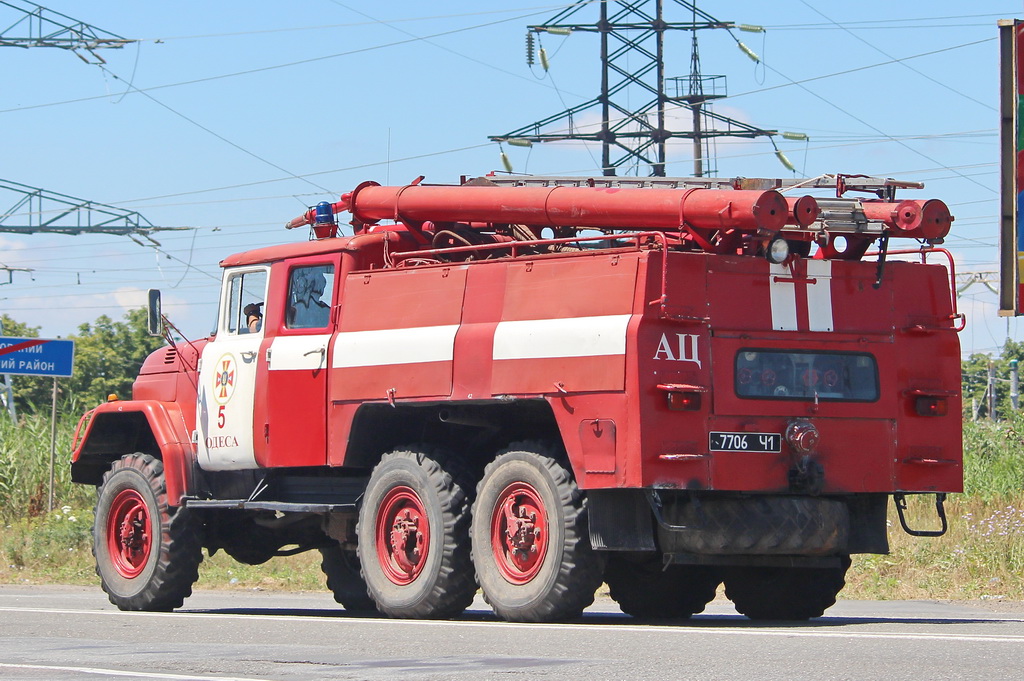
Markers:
point(25, 467)
point(982, 555)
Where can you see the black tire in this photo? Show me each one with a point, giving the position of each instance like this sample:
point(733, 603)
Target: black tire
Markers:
point(644, 588)
point(344, 579)
point(777, 593)
point(250, 555)
point(546, 571)
point(417, 503)
point(252, 544)
point(147, 552)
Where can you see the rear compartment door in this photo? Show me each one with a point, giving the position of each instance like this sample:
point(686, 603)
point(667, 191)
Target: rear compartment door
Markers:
point(831, 335)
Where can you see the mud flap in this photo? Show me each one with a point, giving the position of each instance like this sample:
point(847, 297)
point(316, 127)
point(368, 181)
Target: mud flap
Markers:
point(620, 520)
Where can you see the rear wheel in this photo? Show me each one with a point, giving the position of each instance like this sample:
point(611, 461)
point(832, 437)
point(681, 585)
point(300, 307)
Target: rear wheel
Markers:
point(413, 535)
point(242, 538)
point(344, 579)
point(147, 552)
point(531, 544)
point(776, 593)
point(647, 589)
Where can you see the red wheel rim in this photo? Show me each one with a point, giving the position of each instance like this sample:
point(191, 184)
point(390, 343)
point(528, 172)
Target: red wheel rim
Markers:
point(129, 541)
point(519, 533)
point(403, 535)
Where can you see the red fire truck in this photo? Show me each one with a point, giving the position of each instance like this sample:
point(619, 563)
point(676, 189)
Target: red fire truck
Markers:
point(533, 385)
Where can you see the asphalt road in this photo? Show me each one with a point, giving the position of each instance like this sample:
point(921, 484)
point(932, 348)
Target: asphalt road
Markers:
point(73, 634)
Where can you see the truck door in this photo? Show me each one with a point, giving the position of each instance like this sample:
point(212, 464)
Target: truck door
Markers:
point(296, 378)
point(227, 374)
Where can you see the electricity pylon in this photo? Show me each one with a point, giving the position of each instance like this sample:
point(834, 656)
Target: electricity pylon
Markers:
point(41, 27)
point(632, 50)
point(39, 210)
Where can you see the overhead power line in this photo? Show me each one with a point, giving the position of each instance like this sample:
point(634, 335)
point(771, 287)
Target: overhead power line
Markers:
point(275, 67)
point(902, 63)
point(39, 210)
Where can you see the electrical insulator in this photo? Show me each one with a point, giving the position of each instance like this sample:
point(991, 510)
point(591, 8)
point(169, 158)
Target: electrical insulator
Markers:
point(506, 163)
point(545, 64)
point(785, 161)
point(529, 49)
point(749, 52)
point(519, 142)
point(749, 28)
point(557, 30)
point(794, 136)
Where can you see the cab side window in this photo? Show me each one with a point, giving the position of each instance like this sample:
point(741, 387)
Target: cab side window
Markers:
point(246, 294)
point(309, 297)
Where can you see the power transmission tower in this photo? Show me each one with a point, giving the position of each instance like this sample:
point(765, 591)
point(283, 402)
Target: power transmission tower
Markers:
point(9, 271)
point(41, 27)
point(964, 280)
point(632, 50)
point(39, 210)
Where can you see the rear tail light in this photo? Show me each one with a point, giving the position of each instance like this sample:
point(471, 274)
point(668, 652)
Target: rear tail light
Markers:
point(931, 405)
point(680, 397)
point(930, 402)
point(683, 401)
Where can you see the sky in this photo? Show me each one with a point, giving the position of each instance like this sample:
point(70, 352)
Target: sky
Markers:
point(230, 118)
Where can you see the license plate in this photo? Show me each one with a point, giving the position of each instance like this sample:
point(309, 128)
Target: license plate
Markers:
point(745, 442)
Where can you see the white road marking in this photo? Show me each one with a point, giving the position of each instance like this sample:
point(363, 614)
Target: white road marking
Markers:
point(126, 673)
point(703, 629)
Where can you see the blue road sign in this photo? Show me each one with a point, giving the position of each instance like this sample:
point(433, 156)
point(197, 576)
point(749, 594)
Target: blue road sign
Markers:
point(36, 356)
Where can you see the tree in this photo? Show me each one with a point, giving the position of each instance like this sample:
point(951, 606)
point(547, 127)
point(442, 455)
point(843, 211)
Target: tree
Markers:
point(108, 356)
point(975, 379)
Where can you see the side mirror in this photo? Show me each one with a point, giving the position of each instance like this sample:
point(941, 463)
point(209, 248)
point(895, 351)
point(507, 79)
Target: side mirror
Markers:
point(155, 320)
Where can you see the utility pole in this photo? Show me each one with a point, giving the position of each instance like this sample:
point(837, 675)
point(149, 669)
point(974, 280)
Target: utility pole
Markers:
point(632, 51)
point(991, 391)
point(1014, 385)
point(8, 389)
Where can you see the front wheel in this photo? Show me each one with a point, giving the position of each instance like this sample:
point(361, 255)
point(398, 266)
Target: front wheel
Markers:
point(531, 543)
point(147, 552)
